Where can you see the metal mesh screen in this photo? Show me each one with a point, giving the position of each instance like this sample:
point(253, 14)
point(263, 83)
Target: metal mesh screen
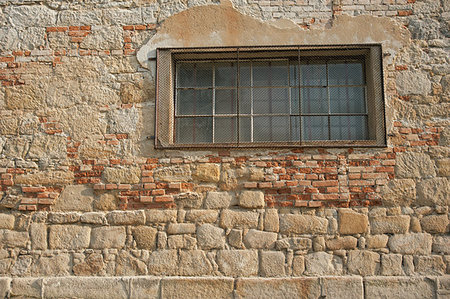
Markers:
point(270, 96)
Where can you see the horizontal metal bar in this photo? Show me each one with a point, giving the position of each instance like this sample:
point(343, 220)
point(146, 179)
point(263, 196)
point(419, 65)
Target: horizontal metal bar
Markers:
point(270, 114)
point(257, 87)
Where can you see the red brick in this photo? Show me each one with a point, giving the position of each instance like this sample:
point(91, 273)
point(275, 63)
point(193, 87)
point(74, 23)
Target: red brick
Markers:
point(110, 186)
point(265, 185)
point(150, 186)
point(159, 192)
point(146, 198)
point(325, 183)
point(251, 185)
point(164, 198)
point(56, 29)
point(403, 13)
point(33, 189)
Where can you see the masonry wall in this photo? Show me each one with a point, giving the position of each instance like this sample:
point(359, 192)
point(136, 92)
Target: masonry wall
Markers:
point(89, 208)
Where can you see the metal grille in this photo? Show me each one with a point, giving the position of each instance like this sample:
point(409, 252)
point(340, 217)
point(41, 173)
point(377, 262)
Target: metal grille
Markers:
point(270, 96)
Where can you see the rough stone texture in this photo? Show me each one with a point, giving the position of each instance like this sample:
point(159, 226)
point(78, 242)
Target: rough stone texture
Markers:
point(414, 165)
point(145, 237)
point(4, 287)
point(352, 223)
point(92, 265)
point(107, 237)
point(144, 287)
point(441, 244)
point(322, 263)
point(272, 264)
point(194, 263)
point(6, 221)
point(404, 287)
point(259, 239)
point(163, 262)
point(57, 265)
point(160, 216)
point(389, 224)
point(399, 192)
point(177, 173)
point(45, 178)
point(436, 224)
point(26, 287)
point(239, 219)
point(429, 265)
point(443, 167)
point(202, 216)
point(298, 265)
point(343, 287)
point(197, 287)
point(217, 200)
point(347, 242)
point(277, 288)
point(237, 263)
point(419, 243)
point(433, 191)
point(210, 236)
point(38, 236)
point(122, 176)
point(50, 147)
point(391, 265)
point(181, 228)
point(363, 262)
point(207, 172)
point(302, 224)
point(181, 242)
point(13, 239)
point(75, 198)
point(251, 199)
point(413, 82)
point(271, 221)
point(126, 218)
point(69, 237)
point(377, 241)
point(294, 243)
point(105, 38)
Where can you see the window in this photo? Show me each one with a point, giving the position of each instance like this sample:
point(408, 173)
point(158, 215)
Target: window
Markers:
point(271, 96)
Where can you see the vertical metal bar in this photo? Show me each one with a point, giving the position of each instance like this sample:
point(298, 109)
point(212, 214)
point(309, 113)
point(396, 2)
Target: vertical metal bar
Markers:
point(213, 101)
point(329, 102)
point(251, 100)
point(238, 129)
point(300, 97)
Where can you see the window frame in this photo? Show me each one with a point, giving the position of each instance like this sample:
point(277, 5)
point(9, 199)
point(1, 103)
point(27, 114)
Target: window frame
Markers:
point(370, 55)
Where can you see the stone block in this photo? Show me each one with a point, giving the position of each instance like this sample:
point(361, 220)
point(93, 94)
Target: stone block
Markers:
point(271, 221)
point(190, 200)
point(259, 239)
point(145, 237)
point(160, 216)
point(74, 197)
point(126, 218)
point(237, 263)
point(413, 82)
point(294, 243)
point(251, 199)
point(38, 236)
point(131, 175)
point(435, 191)
point(435, 224)
point(391, 265)
point(399, 192)
point(272, 264)
point(322, 263)
point(106, 202)
point(340, 243)
point(429, 265)
point(207, 172)
point(127, 264)
point(181, 242)
point(298, 265)
point(238, 219)
point(235, 238)
point(6, 221)
point(194, 263)
point(48, 146)
point(441, 244)
point(63, 218)
point(376, 241)
point(110, 38)
point(210, 237)
point(57, 265)
point(90, 266)
point(277, 288)
point(31, 15)
point(302, 224)
point(9, 238)
point(443, 166)
point(93, 218)
point(201, 287)
point(414, 165)
point(5, 284)
point(362, 262)
point(69, 237)
point(202, 216)
point(163, 262)
point(26, 288)
point(351, 222)
point(181, 228)
point(389, 224)
point(217, 200)
point(400, 288)
point(86, 287)
point(144, 287)
point(56, 177)
point(176, 173)
point(419, 243)
point(129, 16)
point(108, 237)
point(343, 287)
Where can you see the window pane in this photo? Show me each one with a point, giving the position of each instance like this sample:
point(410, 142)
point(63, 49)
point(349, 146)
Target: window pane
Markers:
point(271, 128)
point(225, 129)
point(348, 127)
point(226, 73)
point(345, 74)
point(314, 100)
point(226, 101)
point(245, 133)
point(270, 73)
point(194, 130)
point(270, 100)
point(194, 74)
point(293, 68)
point(294, 101)
point(245, 100)
point(313, 74)
point(295, 128)
point(245, 74)
point(194, 102)
point(315, 128)
point(347, 100)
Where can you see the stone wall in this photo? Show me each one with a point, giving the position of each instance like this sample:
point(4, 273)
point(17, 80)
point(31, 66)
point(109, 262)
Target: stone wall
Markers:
point(89, 207)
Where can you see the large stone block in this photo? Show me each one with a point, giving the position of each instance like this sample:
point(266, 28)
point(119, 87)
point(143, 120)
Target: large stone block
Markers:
point(202, 216)
point(419, 243)
point(11, 238)
point(389, 224)
point(294, 243)
point(105, 38)
point(238, 219)
point(86, 287)
point(126, 218)
point(108, 237)
point(26, 288)
point(413, 82)
point(391, 265)
point(50, 177)
point(398, 288)
point(429, 265)
point(48, 146)
point(351, 222)
point(131, 175)
point(176, 173)
point(6, 221)
point(57, 265)
point(441, 244)
point(302, 224)
point(31, 15)
point(5, 284)
point(278, 288)
point(129, 265)
point(434, 191)
point(217, 200)
point(38, 235)
point(322, 263)
point(435, 224)
point(69, 237)
point(181, 228)
point(145, 237)
point(376, 241)
point(210, 237)
point(399, 192)
point(163, 262)
point(75, 198)
point(340, 243)
point(181, 242)
point(260, 239)
point(144, 287)
point(90, 266)
point(237, 263)
point(414, 165)
point(272, 264)
point(251, 199)
point(194, 263)
point(160, 216)
point(207, 172)
point(343, 287)
point(362, 262)
point(207, 287)
point(271, 221)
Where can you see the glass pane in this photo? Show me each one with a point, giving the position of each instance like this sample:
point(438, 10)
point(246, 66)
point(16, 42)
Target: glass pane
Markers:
point(295, 128)
point(293, 68)
point(294, 101)
point(245, 100)
point(245, 74)
point(270, 100)
point(194, 130)
point(345, 74)
point(194, 102)
point(225, 129)
point(348, 127)
point(245, 131)
point(194, 74)
point(315, 128)
point(314, 100)
point(271, 128)
point(226, 73)
point(226, 101)
point(270, 73)
point(314, 74)
point(347, 100)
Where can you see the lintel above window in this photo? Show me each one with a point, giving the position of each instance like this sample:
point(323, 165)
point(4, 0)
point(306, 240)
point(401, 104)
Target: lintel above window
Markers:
point(293, 96)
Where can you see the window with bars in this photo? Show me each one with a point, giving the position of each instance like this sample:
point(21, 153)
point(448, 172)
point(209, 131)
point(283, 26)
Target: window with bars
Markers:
point(297, 96)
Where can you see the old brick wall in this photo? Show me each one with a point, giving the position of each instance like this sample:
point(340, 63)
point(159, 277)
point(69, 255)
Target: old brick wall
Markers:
point(83, 191)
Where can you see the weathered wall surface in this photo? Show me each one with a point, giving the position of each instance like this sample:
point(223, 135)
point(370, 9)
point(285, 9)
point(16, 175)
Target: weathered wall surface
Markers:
point(83, 191)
